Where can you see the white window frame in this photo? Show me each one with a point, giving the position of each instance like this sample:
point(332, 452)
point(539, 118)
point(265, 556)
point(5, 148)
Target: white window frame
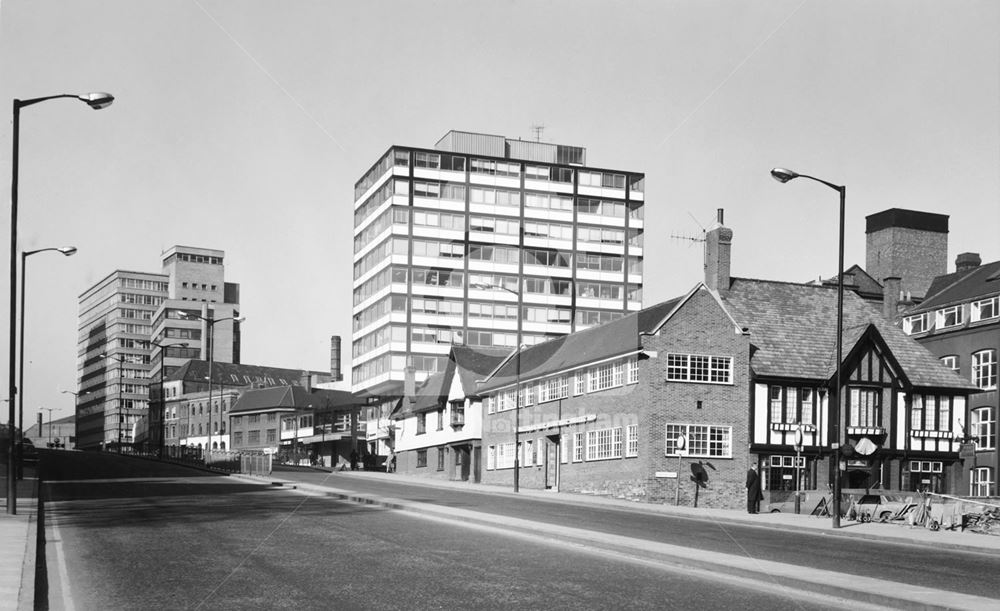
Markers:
point(984, 429)
point(632, 441)
point(699, 368)
point(991, 304)
point(604, 444)
point(922, 323)
point(699, 436)
point(633, 371)
point(981, 483)
point(578, 446)
point(952, 316)
point(951, 362)
point(984, 369)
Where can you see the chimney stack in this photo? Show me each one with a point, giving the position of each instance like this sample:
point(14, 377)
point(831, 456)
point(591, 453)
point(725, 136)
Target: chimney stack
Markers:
point(305, 381)
point(718, 247)
point(410, 384)
point(967, 261)
point(890, 297)
point(335, 372)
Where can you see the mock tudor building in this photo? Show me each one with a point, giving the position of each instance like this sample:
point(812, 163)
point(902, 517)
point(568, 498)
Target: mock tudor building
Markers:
point(439, 425)
point(959, 322)
point(678, 400)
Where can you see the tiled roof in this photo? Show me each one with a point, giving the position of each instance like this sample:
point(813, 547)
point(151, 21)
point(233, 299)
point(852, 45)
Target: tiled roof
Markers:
point(196, 370)
point(291, 397)
point(475, 364)
point(611, 339)
point(958, 287)
point(794, 330)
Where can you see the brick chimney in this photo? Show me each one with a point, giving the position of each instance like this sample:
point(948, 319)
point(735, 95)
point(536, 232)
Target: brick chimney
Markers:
point(967, 261)
point(305, 381)
point(891, 295)
point(718, 247)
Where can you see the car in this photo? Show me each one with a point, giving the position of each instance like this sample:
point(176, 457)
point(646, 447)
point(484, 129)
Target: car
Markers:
point(880, 507)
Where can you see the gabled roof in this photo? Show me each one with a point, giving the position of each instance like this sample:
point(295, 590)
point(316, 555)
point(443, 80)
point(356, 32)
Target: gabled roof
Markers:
point(615, 338)
point(794, 330)
point(291, 397)
point(958, 287)
point(471, 364)
point(858, 280)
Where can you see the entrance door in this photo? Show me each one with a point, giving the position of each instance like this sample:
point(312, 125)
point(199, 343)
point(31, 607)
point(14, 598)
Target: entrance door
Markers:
point(477, 456)
point(552, 462)
point(465, 465)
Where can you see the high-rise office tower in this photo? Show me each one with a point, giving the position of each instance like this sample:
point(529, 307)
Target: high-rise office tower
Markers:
point(131, 325)
point(457, 244)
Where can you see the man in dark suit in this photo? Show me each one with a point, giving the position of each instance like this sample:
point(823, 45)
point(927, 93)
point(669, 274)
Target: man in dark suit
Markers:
point(754, 494)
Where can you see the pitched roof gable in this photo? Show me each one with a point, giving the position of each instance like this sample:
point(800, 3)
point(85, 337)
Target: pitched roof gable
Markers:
point(957, 287)
point(794, 330)
point(291, 397)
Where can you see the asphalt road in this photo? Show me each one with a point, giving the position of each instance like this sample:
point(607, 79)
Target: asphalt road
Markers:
point(968, 572)
point(150, 536)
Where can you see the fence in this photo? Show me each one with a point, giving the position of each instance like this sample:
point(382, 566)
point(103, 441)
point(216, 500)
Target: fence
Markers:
point(250, 463)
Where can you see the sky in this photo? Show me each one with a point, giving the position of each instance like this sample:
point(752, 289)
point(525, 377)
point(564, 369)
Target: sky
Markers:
point(243, 126)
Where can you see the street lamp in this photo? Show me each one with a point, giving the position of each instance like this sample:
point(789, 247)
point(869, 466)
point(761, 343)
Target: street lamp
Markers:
point(210, 343)
point(161, 434)
point(783, 175)
point(67, 251)
point(49, 444)
point(96, 101)
point(121, 388)
point(517, 382)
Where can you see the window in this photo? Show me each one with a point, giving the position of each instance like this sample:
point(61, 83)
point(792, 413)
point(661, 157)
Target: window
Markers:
point(440, 417)
point(984, 423)
point(984, 369)
point(982, 481)
point(421, 423)
point(633, 371)
point(421, 458)
point(553, 389)
point(865, 408)
point(564, 444)
point(916, 324)
point(578, 447)
point(238, 438)
point(703, 440)
point(985, 309)
point(930, 413)
point(791, 405)
point(699, 368)
point(272, 435)
point(948, 317)
point(604, 444)
point(528, 460)
point(504, 456)
point(580, 382)
point(632, 440)
point(605, 376)
point(253, 436)
point(951, 362)
point(440, 459)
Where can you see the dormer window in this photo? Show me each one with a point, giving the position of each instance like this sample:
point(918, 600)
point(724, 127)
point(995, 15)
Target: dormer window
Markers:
point(948, 317)
point(916, 324)
point(985, 309)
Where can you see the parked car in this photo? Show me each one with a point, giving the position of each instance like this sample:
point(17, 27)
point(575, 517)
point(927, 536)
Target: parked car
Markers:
point(881, 507)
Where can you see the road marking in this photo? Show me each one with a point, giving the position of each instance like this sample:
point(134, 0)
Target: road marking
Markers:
point(60, 560)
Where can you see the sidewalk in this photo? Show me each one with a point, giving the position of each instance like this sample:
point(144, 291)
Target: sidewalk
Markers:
point(18, 534)
point(893, 531)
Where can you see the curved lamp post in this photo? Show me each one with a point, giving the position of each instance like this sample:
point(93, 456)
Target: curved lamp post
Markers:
point(517, 382)
point(783, 175)
point(67, 251)
point(161, 435)
point(210, 344)
point(96, 101)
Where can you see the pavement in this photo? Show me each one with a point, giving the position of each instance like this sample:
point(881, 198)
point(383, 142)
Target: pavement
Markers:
point(18, 532)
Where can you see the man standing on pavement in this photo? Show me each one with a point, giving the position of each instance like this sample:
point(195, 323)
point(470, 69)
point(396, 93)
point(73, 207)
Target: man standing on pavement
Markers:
point(754, 494)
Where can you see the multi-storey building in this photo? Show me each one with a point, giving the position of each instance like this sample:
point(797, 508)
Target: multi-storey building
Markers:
point(457, 244)
point(959, 322)
point(127, 322)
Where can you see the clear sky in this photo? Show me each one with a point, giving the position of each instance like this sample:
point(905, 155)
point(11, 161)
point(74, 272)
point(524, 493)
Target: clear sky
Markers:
point(243, 125)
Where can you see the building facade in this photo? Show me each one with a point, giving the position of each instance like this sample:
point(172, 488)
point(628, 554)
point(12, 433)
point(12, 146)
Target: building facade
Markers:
point(455, 244)
point(130, 331)
point(959, 322)
point(676, 402)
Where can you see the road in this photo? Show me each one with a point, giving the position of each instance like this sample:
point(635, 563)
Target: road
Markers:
point(150, 536)
point(942, 569)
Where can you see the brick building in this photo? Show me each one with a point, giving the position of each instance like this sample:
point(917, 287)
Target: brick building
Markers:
point(704, 386)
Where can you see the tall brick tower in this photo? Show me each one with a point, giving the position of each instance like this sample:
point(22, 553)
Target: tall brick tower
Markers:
point(909, 245)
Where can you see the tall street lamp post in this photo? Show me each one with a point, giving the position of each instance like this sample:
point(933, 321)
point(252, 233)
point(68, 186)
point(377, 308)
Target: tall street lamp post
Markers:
point(517, 383)
point(49, 444)
point(783, 175)
point(96, 101)
point(161, 432)
point(210, 344)
point(121, 389)
point(67, 251)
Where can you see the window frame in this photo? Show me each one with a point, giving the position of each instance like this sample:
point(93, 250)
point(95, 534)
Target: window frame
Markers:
point(984, 372)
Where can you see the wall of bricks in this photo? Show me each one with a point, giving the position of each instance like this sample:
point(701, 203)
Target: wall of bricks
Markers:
point(700, 327)
point(914, 255)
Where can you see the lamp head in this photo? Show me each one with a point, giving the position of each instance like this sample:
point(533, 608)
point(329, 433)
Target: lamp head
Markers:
point(239, 319)
point(67, 250)
point(97, 100)
point(782, 175)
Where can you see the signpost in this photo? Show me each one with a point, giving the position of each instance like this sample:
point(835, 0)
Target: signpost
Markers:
point(798, 466)
point(681, 443)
